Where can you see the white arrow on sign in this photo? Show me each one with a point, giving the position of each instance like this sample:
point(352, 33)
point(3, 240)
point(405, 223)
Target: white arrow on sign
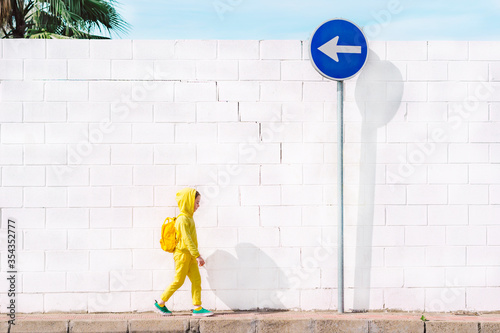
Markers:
point(331, 48)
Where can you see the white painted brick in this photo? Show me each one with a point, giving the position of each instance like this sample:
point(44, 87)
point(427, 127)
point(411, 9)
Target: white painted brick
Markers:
point(131, 154)
point(217, 153)
point(281, 174)
point(320, 132)
point(259, 70)
point(153, 49)
point(30, 261)
point(154, 175)
point(11, 197)
point(492, 276)
point(483, 50)
point(320, 92)
point(111, 175)
point(469, 235)
point(494, 194)
point(67, 176)
point(260, 195)
point(250, 111)
point(450, 298)
point(88, 281)
point(132, 196)
point(277, 91)
point(468, 153)
point(194, 174)
point(107, 132)
point(239, 174)
point(483, 255)
point(67, 49)
point(484, 215)
point(493, 234)
point(23, 49)
point(153, 92)
point(391, 194)
point(427, 194)
point(406, 215)
point(467, 71)
point(224, 70)
point(260, 237)
point(44, 282)
point(131, 280)
point(264, 153)
point(238, 216)
point(26, 218)
point(46, 69)
point(445, 256)
point(152, 133)
point(175, 70)
point(66, 133)
point(318, 216)
point(484, 174)
point(114, 302)
point(237, 91)
point(282, 132)
point(66, 261)
point(238, 49)
point(316, 299)
point(280, 49)
point(89, 197)
point(300, 236)
point(217, 112)
point(175, 154)
point(45, 239)
point(302, 153)
point(192, 133)
point(494, 71)
point(466, 276)
point(301, 112)
point(482, 299)
point(132, 69)
point(106, 260)
point(448, 215)
point(388, 236)
point(45, 197)
point(110, 49)
point(196, 49)
point(131, 238)
point(448, 50)
point(299, 71)
point(425, 277)
point(67, 218)
point(29, 303)
point(428, 111)
point(468, 194)
point(406, 132)
point(448, 174)
point(204, 91)
point(447, 91)
point(280, 216)
point(119, 92)
point(11, 154)
point(425, 236)
point(238, 132)
point(11, 69)
point(302, 195)
point(77, 155)
point(61, 302)
point(23, 176)
point(397, 50)
point(405, 299)
point(175, 112)
point(89, 69)
point(45, 112)
point(486, 132)
point(151, 217)
point(66, 91)
point(217, 237)
point(85, 112)
point(428, 71)
point(411, 92)
point(320, 174)
point(494, 152)
point(401, 256)
point(92, 239)
point(11, 112)
point(21, 91)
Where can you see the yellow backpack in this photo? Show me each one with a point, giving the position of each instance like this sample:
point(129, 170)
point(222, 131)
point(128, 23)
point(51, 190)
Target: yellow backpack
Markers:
point(168, 240)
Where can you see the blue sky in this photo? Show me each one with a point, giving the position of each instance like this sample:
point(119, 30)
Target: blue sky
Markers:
point(293, 19)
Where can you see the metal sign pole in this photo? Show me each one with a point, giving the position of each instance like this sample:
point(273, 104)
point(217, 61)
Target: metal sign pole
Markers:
point(340, 188)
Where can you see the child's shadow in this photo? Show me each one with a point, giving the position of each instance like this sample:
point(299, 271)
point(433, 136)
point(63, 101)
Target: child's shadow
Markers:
point(251, 280)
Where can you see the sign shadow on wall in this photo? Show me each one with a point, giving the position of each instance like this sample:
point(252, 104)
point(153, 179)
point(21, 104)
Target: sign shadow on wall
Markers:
point(249, 280)
point(378, 94)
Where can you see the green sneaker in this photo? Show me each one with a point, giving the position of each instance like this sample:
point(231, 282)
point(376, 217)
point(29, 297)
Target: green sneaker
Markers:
point(202, 313)
point(162, 309)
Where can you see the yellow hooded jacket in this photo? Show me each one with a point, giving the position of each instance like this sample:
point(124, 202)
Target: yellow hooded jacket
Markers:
point(185, 228)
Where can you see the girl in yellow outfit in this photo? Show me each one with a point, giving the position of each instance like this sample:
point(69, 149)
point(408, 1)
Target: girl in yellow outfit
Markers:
point(186, 255)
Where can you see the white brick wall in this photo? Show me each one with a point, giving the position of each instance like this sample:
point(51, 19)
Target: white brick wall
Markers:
point(96, 137)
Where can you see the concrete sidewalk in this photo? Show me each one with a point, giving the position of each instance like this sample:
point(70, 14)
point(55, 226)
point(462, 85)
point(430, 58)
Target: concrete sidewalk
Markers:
point(254, 321)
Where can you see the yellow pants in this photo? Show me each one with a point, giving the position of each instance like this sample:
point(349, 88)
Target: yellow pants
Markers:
point(185, 265)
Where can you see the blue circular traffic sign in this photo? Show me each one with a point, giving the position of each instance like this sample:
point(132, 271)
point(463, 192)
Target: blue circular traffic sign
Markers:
point(338, 49)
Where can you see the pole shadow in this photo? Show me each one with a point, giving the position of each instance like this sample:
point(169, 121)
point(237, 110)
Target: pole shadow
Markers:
point(378, 94)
